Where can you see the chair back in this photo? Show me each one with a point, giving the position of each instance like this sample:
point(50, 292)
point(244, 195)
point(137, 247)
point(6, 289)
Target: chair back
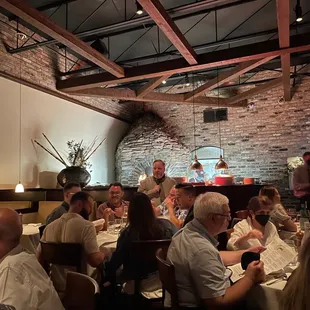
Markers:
point(223, 239)
point(242, 214)
point(143, 254)
point(64, 254)
point(167, 277)
point(41, 229)
point(82, 292)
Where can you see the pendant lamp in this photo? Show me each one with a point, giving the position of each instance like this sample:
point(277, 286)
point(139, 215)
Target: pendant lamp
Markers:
point(19, 187)
point(221, 164)
point(196, 165)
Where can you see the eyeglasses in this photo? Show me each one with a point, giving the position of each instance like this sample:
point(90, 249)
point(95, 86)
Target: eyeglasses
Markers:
point(228, 216)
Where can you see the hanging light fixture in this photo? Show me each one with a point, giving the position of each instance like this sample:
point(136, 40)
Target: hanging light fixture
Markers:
point(187, 80)
point(221, 164)
point(298, 11)
point(196, 165)
point(19, 187)
point(139, 8)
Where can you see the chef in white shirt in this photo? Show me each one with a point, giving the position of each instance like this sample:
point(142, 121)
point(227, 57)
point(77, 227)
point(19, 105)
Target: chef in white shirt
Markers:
point(24, 283)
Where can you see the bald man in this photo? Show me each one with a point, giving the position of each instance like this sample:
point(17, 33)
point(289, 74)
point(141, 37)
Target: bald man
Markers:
point(24, 283)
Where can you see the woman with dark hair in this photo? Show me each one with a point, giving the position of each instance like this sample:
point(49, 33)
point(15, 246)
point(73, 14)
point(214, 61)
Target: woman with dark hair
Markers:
point(256, 229)
point(278, 215)
point(142, 226)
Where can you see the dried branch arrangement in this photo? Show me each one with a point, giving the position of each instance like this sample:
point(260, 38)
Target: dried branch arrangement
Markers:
point(78, 153)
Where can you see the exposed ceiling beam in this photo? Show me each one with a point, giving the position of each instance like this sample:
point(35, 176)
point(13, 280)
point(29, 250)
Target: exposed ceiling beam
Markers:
point(177, 13)
point(45, 7)
point(254, 91)
point(299, 43)
point(30, 15)
point(128, 94)
point(283, 16)
point(150, 85)
point(226, 77)
point(163, 20)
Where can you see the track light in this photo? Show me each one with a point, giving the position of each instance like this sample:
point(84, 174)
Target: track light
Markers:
point(187, 80)
point(298, 11)
point(139, 8)
point(164, 81)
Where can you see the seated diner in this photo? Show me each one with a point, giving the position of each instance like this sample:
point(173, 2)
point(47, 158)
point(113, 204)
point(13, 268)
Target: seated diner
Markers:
point(142, 225)
point(256, 229)
point(278, 214)
point(200, 269)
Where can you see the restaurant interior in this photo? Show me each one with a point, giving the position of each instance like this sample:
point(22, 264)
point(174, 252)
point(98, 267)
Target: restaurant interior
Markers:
point(154, 148)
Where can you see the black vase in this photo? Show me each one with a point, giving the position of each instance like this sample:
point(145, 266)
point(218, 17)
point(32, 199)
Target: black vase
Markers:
point(73, 174)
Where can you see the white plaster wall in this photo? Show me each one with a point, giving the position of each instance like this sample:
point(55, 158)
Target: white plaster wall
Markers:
point(61, 121)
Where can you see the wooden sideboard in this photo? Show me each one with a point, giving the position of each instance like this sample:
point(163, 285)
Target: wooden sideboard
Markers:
point(238, 195)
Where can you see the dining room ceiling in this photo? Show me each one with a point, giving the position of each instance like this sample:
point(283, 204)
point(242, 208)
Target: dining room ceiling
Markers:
point(135, 42)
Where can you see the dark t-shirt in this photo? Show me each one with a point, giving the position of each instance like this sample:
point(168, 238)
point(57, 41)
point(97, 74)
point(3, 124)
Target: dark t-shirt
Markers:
point(190, 216)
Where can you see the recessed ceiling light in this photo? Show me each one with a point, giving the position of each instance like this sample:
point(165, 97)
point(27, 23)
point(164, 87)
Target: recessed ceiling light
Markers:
point(139, 8)
point(164, 81)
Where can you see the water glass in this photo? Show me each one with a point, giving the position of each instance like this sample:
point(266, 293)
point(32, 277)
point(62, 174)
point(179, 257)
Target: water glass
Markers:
point(117, 226)
point(111, 227)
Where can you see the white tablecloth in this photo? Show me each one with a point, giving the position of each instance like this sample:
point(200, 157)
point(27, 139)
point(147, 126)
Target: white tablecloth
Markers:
point(107, 240)
point(267, 297)
point(30, 238)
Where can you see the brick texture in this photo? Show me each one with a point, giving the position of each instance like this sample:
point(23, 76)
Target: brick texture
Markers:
point(148, 139)
point(40, 66)
point(256, 142)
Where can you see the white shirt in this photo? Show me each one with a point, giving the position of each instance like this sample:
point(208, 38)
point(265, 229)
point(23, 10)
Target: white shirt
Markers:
point(24, 283)
point(245, 226)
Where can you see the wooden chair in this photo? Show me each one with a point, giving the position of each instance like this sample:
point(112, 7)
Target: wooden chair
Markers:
point(82, 292)
point(223, 239)
point(41, 229)
point(144, 255)
point(64, 254)
point(234, 221)
point(242, 214)
point(167, 277)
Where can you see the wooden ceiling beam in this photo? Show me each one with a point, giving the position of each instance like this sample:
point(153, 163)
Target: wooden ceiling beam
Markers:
point(256, 51)
point(254, 91)
point(226, 77)
point(128, 94)
point(32, 16)
point(163, 20)
point(283, 17)
point(150, 85)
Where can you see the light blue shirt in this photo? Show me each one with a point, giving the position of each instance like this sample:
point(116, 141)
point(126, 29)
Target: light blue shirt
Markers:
point(199, 269)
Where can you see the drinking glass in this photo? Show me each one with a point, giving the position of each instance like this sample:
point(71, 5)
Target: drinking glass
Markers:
point(111, 227)
point(125, 216)
point(117, 226)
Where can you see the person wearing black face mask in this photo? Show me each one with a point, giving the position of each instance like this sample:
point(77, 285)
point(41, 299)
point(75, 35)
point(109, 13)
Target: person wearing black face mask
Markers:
point(256, 229)
point(301, 180)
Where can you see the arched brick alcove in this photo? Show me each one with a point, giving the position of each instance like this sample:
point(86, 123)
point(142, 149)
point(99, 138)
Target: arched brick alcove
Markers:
point(149, 138)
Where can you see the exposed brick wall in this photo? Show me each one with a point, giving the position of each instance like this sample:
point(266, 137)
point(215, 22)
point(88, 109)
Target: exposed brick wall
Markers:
point(256, 143)
point(40, 66)
point(148, 139)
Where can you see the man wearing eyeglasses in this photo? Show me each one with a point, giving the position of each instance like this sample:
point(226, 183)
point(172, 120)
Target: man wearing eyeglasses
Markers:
point(69, 190)
point(201, 276)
